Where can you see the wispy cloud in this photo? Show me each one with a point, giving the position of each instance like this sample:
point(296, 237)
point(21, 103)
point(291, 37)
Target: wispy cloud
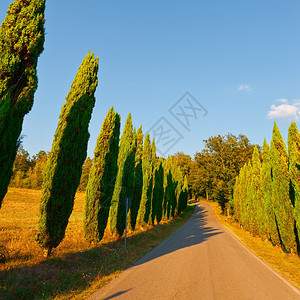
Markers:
point(285, 110)
point(244, 87)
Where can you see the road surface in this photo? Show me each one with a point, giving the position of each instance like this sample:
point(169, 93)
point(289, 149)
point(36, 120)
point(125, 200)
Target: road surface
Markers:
point(201, 260)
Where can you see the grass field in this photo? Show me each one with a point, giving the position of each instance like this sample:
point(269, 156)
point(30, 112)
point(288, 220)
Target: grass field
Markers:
point(287, 265)
point(76, 268)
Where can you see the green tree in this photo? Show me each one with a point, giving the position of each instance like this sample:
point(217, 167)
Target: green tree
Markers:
point(67, 155)
point(86, 168)
point(280, 191)
point(219, 164)
point(124, 180)
point(258, 208)
point(294, 174)
point(138, 179)
point(269, 202)
point(145, 204)
point(38, 171)
point(21, 42)
point(21, 167)
point(158, 193)
point(102, 178)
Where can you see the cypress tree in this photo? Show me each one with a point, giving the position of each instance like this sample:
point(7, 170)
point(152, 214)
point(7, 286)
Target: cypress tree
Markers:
point(124, 180)
point(280, 192)
point(266, 190)
point(138, 179)
point(21, 43)
point(294, 174)
point(248, 213)
point(165, 199)
point(69, 149)
point(158, 193)
point(258, 211)
point(102, 178)
point(145, 205)
point(186, 192)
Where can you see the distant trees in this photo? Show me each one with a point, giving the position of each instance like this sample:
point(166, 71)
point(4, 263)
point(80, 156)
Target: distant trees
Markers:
point(217, 166)
point(21, 43)
point(266, 194)
point(64, 164)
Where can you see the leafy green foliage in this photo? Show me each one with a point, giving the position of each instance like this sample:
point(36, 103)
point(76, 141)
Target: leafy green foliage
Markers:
point(264, 193)
point(102, 178)
point(21, 42)
point(218, 165)
point(67, 155)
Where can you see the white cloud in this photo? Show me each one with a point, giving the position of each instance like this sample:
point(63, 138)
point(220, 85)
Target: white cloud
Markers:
point(285, 111)
point(283, 100)
point(244, 87)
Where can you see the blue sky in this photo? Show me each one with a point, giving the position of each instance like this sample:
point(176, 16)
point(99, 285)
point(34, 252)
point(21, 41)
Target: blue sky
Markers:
point(239, 60)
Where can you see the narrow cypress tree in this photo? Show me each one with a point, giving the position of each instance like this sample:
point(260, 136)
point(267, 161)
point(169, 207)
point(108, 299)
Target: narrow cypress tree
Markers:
point(165, 199)
point(123, 188)
point(186, 192)
point(258, 203)
point(158, 193)
point(266, 190)
point(237, 197)
point(69, 148)
point(280, 192)
point(294, 174)
point(144, 210)
point(127, 187)
point(102, 178)
point(138, 179)
point(247, 215)
point(21, 43)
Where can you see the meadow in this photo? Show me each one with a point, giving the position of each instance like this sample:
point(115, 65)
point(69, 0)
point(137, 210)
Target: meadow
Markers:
point(76, 268)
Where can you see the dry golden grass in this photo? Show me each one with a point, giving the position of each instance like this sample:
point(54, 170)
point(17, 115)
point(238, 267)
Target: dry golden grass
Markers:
point(76, 268)
point(288, 265)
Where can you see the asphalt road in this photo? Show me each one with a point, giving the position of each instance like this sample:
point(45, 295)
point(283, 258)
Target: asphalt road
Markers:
point(201, 260)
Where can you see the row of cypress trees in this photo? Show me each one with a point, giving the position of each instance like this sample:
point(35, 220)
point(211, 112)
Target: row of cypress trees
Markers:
point(129, 169)
point(266, 197)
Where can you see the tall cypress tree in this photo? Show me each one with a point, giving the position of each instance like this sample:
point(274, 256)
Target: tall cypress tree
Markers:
point(138, 179)
point(258, 211)
point(237, 196)
point(294, 173)
point(144, 209)
point(280, 192)
point(21, 43)
point(69, 148)
point(266, 190)
point(102, 178)
point(124, 180)
point(158, 193)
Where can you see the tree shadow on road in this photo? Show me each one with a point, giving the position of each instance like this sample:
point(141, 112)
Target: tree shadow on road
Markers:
point(194, 232)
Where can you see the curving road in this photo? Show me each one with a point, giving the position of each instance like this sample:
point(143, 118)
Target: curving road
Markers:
point(201, 260)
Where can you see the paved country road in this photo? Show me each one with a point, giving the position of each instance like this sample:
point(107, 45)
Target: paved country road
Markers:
point(201, 260)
